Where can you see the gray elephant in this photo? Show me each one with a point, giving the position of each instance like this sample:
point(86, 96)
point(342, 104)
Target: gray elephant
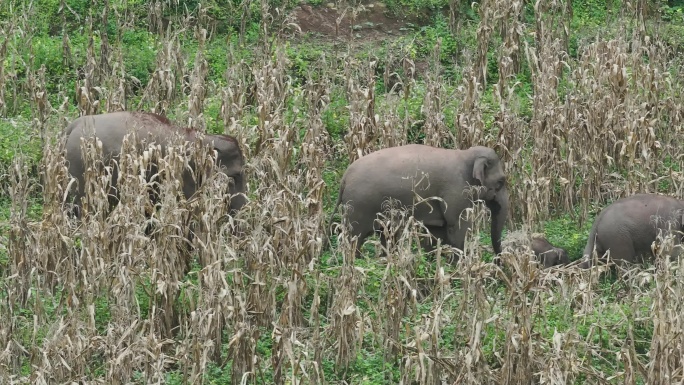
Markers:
point(397, 172)
point(629, 226)
point(548, 254)
point(111, 128)
point(544, 251)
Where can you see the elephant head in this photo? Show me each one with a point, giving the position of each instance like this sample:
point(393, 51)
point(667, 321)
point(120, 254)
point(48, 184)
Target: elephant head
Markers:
point(488, 171)
point(564, 259)
point(230, 161)
point(555, 257)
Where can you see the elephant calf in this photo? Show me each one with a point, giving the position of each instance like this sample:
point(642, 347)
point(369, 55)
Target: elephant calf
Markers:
point(627, 227)
point(544, 251)
point(406, 173)
point(111, 128)
point(548, 254)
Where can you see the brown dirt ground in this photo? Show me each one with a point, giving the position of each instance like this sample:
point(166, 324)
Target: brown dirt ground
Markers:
point(373, 22)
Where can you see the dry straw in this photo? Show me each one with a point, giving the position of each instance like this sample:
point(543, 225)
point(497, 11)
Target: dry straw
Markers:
point(174, 289)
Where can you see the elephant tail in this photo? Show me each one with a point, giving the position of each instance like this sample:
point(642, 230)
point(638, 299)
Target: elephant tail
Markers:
point(328, 229)
point(591, 242)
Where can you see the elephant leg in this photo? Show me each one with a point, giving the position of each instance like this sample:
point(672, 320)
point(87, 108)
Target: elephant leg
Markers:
point(426, 243)
point(77, 206)
point(455, 235)
point(384, 240)
point(438, 232)
point(593, 245)
point(620, 250)
point(113, 195)
point(361, 240)
point(361, 228)
point(76, 191)
point(456, 228)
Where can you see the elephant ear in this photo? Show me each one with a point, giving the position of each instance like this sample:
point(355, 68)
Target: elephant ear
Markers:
point(479, 168)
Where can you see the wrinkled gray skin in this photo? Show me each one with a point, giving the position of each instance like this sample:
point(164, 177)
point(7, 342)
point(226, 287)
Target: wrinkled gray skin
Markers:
point(392, 172)
point(629, 226)
point(111, 128)
point(548, 254)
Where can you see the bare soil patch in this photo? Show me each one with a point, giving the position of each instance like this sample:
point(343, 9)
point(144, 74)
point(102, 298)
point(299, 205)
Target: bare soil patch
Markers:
point(372, 22)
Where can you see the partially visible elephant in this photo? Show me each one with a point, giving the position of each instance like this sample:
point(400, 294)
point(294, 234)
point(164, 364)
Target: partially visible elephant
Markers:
point(544, 251)
point(628, 227)
point(397, 172)
point(548, 254)
point(110, 129)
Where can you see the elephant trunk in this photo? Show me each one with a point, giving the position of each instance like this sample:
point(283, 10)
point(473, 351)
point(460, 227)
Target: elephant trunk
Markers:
point(564, 259)
point(499, 209)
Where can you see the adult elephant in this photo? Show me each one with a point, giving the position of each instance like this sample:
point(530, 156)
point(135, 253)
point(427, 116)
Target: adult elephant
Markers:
point(406, 173)
point(111, 128)
point(628, 227)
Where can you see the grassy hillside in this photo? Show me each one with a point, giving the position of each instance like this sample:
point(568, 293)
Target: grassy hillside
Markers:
point(581, 100)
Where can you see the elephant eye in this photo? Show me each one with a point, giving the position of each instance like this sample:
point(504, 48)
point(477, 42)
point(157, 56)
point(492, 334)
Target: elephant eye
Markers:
point(500, 184)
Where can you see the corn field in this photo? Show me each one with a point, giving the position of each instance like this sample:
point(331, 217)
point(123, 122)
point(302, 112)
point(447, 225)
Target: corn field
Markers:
point(127, 296)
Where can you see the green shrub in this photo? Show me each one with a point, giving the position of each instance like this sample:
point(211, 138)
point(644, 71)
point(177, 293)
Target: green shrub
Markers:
point(427, 37)
point(139, 54)
point(336, 116)
point(18, 137)
point(48, 51)
point(399, 7)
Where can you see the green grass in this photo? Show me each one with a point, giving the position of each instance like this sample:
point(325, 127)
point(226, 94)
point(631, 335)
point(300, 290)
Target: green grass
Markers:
point(564, 232)
point(18, 137)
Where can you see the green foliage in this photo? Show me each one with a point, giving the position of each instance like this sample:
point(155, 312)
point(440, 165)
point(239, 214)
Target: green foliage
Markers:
point(212, 115)
point(415, 6)
point(139, 48)
point(412, 107)
point(617, 322)
point(215, 54)
point(43, 14)
point(523, 90)
point(369, 368)
point(673, 34)
point(139, 54)
point(17, 137)
point(428, 36)
point(673, 12)
point(332, 175)
point(336, 116)
point(591, 16)
point(564, 232)
point(302, 60)
point(591, 11)
point(5, 204)
point(48, 52)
